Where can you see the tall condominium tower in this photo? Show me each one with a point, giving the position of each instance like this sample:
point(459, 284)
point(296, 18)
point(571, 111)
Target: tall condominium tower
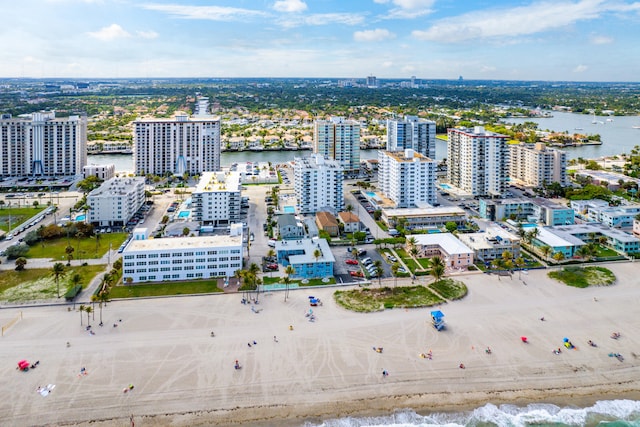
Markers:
point(535, 164)
point(41, 144)
point(407, 177)
point(178, 145)
point(477, 161)
point(414, 133)
point(338, 139)
point(318, 184)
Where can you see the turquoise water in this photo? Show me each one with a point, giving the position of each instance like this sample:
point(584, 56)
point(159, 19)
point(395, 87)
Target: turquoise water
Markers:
point(184, 214)
point(613, 413)
point(529, 225)
point(445, 186)
point(371, 194)
point(81, 218)
point(289, 209)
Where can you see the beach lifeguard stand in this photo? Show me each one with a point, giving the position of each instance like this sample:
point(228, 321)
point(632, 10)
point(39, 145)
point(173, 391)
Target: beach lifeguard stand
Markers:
point(437, 318)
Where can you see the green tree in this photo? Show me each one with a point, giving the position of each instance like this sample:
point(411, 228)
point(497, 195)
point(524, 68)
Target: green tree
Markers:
point(546, 250)
point(69, 251)
point(20, 263)
point(451, 226)
point(379, 271)
point(288, 271)
point(394, 270)
point(558, 256)
point(58, 271)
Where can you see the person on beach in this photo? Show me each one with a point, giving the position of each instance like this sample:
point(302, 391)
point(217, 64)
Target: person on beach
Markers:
point(275, 339)
point(385, 373)
point(462, 366)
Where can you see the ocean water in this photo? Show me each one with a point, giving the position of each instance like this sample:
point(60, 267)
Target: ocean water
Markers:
point(606, 413)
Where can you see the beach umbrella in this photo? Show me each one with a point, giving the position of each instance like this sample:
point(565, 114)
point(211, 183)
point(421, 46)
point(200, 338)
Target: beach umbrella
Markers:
point(524, 339)
point(565, 339)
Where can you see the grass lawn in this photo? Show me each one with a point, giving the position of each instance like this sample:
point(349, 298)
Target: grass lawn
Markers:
point(311, 282)
point(450, 289)
point(582, 277)
point(425, 262)
point(382, 225)
point(603, 251)
point(377, 299)
point(84, 248)
point(165, 288)
point(18, 216)
point(39, 283)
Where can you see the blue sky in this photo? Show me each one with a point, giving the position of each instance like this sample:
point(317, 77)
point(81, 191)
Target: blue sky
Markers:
point(578, 40)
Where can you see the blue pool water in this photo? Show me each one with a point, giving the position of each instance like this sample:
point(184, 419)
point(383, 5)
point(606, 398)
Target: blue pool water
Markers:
point(81, 218)
point(529, 225)
point(289, 209)
point(445, 186)
point(184, 214)
point(371, 194)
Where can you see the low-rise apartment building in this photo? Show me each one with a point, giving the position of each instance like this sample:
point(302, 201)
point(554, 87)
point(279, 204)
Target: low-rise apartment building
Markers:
point(492, 243)
point(453, 252)
point(115, 202)
point(310, 258)
point(217, 198)
point(181, 258)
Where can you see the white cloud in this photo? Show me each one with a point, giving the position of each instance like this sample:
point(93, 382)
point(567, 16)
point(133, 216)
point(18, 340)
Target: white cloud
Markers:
point(407, 9)
point(322, 19)
point(376, 35)
point(518, 21)
point(580, 68)
point(112, 32)
point(601, 40)
point(387, 64)
point(290, 6)
point(212, 13)
point(408, 69)
point(149, 35)
point(381, 1)
point(414, 4)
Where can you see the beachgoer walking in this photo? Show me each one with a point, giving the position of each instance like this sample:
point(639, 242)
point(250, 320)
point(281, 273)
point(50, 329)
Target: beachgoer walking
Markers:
point(275, 339)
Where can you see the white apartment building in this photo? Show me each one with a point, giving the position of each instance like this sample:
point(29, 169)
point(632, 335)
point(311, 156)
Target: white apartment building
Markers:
point(115, 201)
point(407, 178)
point(178, 145)
point(181, 258)
point(41, 144)
point(102, 172)
point(217, 198)
point(338, 139)
point(534, 164)
point(318, 184)
point(477, 161)
point(412, 132)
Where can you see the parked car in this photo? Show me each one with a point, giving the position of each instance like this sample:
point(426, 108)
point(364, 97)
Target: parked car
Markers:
point(272, 266)
point(361, 252)
point(356, 274)
point(352, 262)
point(367, 261)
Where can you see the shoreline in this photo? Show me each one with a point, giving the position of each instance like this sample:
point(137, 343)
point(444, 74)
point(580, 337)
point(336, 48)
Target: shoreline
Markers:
point(324, 369)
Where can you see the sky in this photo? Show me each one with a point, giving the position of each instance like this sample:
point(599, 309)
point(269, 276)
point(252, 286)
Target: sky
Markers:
point(558, 40)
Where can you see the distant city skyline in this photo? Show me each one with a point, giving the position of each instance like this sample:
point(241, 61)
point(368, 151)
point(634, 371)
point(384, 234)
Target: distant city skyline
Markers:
point(583, 40)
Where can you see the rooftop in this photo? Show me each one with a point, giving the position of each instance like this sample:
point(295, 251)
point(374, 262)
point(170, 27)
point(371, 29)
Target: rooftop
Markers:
point(218, 181)
point(447, 241)
point(308, 247)
point(207, 242)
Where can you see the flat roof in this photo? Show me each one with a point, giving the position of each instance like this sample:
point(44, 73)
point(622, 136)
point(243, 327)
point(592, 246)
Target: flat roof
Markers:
point(557, 238)
point(432, 211)
point(308, 246)
point(596, 227)
point(481, 240)
point(447, 241)
point(170, 243)
point(227, 181)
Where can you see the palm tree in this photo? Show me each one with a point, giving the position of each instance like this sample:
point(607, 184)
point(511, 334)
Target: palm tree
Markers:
point(437, 271)
point(69, 251)
point(546, 250)
point(88, 310)
point(394, 270)
point(317, 254)
point(379, 271)
point(20, 263)
point(414, 251)
point(520, 263)
point(558, 256)
point(101, 298)
point(289, 271)
point(81, 313)
point(412, 242)
point(349, 208)
point(58, 271)
point(354, 253)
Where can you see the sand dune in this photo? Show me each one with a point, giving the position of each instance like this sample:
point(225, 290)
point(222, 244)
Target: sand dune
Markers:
point(183, 376)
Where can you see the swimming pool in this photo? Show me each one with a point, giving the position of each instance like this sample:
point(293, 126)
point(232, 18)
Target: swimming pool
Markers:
point(184, 214)
point(81, 218)
point(445, 186)
point(371, 194)
point(289, 209)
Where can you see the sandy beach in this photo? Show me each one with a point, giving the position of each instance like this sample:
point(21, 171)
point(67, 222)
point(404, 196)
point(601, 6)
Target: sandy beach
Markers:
point(324, 369)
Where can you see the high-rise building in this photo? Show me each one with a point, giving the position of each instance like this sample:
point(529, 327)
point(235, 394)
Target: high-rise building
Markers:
point(372, 82)
point(414, 133)
point(536, 164)
point(407, 178)
point(338, 139)
point(41, 144)
point(477, 161)
point(178, 145)
point(217, 198)
point(318, 184)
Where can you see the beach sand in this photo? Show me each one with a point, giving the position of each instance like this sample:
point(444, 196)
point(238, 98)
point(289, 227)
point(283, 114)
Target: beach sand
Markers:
point(324, 369)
